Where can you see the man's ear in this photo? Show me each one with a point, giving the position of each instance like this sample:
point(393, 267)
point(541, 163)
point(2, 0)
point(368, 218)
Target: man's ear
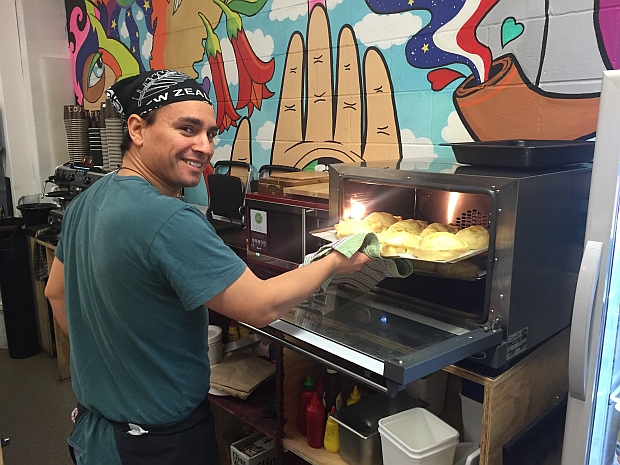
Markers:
point(135, 128)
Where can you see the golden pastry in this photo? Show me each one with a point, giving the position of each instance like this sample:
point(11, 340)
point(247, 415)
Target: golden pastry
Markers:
point(398, 242)
point(349, 226)
point(410, 226)
point(380, 221)
point(476, 237)
point(440, 246)
point(438, 227)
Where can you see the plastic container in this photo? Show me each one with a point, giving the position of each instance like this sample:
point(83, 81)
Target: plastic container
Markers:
point(358, 424)
point(215, 345)
point(36, 213)
point(432, 389)
point(417, 436)
point(467, 453)
point(472, 419)
point(20, 317)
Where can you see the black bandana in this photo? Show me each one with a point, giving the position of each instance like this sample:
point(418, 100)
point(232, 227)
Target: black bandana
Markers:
point(147, 91)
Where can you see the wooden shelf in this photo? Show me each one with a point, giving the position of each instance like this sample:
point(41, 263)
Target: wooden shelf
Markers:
point(250, 410)
point(297, 444)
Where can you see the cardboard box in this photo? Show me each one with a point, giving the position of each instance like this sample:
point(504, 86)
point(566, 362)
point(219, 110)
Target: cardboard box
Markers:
point(256, 449)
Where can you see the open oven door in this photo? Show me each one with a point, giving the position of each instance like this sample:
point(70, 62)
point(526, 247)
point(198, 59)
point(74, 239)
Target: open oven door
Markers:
point(377, 338)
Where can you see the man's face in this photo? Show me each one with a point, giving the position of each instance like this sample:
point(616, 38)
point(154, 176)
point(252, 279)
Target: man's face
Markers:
point(178, 146)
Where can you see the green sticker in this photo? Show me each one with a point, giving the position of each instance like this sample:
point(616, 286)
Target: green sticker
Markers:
point(258, 218)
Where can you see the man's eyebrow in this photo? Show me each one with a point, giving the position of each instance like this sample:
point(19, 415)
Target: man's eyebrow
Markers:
point(191, 120)
point(196, 122)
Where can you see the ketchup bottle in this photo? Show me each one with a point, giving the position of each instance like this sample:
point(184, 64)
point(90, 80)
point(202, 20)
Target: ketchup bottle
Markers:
point(306, 396)
point(315, 419)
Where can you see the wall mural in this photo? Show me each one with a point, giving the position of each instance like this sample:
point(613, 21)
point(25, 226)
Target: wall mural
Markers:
point(301, 82)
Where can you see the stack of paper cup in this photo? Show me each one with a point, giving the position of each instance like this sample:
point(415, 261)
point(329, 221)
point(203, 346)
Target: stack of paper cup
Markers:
point(215, 345)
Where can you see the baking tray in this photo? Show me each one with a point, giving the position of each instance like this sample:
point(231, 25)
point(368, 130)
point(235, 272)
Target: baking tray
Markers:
point(329, 235)
point(521, 153)
point(438, 274)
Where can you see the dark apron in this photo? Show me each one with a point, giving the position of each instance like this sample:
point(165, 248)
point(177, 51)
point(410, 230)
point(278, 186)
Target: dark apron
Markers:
point(189, 442)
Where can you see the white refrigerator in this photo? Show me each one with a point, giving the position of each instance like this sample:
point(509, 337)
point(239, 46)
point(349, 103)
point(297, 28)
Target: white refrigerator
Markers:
point(593, 411)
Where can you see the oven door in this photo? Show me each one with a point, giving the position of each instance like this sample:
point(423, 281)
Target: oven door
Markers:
point(377, 337)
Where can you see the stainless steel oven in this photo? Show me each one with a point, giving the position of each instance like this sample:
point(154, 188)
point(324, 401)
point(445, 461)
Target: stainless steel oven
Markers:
point(404, 329)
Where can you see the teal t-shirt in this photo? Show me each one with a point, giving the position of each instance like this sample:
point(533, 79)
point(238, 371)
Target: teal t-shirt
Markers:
point(138, 267)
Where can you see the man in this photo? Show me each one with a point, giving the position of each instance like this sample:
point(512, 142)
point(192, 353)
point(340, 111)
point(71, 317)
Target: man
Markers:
point(134, 271)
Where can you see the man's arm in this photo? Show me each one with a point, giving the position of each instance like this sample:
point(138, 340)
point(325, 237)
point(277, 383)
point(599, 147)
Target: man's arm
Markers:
point(258, 303)
point(55, 293)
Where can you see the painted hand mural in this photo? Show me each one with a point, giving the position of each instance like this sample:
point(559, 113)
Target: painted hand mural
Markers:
point(362, 126)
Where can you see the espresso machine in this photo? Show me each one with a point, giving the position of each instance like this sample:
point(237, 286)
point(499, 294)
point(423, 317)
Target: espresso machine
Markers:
point(71, 180)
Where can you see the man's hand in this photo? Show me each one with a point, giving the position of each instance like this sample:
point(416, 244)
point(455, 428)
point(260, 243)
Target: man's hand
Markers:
point(349, 265)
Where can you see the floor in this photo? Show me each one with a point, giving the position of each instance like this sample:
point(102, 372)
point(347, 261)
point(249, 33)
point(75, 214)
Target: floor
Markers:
point(35, 411)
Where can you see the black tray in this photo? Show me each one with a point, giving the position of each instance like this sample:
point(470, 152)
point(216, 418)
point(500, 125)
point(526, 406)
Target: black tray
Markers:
point(523, 153)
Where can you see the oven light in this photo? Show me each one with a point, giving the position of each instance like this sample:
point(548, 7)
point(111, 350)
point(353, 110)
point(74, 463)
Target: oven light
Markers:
point(453, 200)
point(358, 210)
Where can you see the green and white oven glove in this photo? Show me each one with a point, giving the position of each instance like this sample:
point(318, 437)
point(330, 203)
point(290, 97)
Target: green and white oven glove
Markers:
point(372, 272)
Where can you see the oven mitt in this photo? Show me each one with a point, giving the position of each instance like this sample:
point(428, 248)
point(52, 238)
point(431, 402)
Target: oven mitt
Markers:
point(372, 272)
point(240, 374)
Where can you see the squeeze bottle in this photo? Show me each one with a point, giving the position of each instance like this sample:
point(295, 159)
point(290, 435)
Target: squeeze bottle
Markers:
point(243, 331)
point(306, 396)
point(233, 331)
point(331, 441)
point(315, 420)
point(332, 389)
point(354, 397)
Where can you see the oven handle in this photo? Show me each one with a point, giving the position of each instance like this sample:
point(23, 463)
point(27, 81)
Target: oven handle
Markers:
point(587, 282)
point(319, 359)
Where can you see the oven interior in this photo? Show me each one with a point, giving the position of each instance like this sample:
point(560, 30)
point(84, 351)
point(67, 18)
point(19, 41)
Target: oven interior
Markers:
point(433, 287)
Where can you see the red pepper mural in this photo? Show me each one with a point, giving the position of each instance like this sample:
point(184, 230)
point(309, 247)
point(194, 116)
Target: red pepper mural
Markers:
point(226, 116)
point(253, 73)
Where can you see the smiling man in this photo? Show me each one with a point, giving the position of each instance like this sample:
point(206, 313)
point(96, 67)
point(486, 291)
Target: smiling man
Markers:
point(134, 272)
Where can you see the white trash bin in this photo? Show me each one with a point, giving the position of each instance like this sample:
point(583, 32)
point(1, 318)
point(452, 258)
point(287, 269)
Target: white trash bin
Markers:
point(416, 436)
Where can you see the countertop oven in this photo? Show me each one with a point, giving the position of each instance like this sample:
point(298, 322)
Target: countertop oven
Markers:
point(404, 329)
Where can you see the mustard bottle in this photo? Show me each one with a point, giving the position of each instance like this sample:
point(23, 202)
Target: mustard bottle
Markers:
point(243, 331)
point(331, 441)
point(233, 331)
point(354, 397)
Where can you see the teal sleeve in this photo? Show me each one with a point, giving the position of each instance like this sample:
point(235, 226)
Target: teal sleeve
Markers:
point(191, 256)
point(59, 252)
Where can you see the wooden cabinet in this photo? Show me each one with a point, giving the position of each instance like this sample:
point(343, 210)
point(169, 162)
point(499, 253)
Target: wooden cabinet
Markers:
point(53, 342)
point(511, 400)
point(43, 311)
